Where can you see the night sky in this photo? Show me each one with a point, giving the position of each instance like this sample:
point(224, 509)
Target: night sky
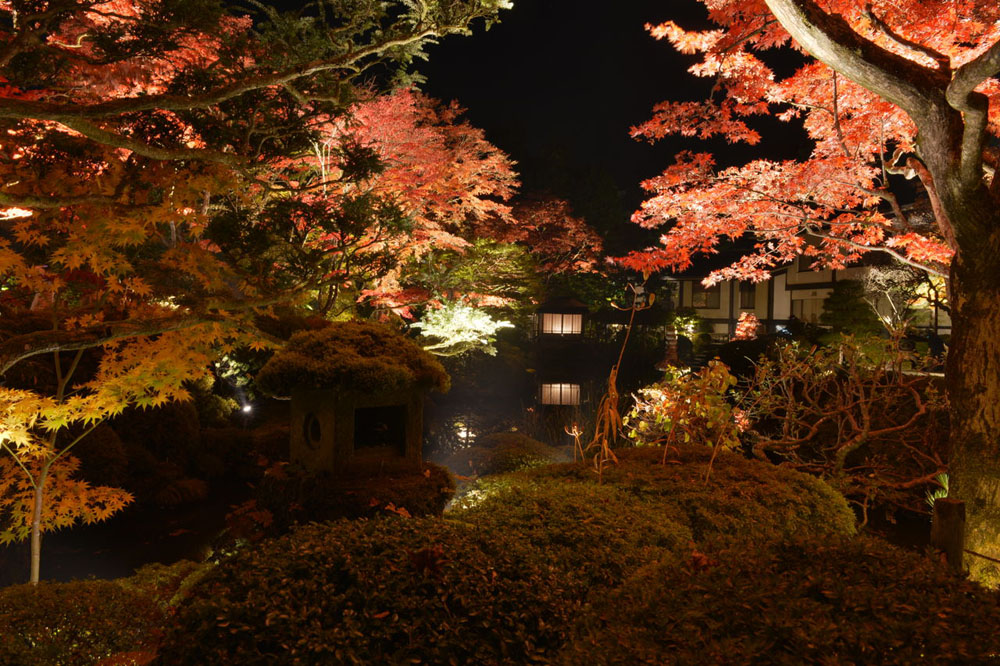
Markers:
point(558, 87)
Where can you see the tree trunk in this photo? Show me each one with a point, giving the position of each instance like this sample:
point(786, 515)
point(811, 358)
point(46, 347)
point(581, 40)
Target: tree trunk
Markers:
point(973, 377)
point(36, 524)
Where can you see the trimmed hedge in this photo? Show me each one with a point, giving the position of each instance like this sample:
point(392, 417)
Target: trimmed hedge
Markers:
point(839, 600)
point(743, 498)
point(502, 578)
point(595, 534)
point(501, 452)
point(83, 622)
point(388, 590)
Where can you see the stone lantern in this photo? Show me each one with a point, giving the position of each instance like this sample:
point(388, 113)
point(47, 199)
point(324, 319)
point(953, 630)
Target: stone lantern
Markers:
point(357, 392)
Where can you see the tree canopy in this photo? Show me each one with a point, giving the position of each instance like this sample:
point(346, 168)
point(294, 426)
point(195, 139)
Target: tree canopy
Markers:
point(874, 105)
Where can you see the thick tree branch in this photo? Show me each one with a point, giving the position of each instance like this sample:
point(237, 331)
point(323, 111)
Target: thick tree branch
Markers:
point(830, 39)
point(944, 222)
point(38, 202)
point(102, 136)
point(943, 62)
point(19, 347)
point(70, 112)
point(974, 106)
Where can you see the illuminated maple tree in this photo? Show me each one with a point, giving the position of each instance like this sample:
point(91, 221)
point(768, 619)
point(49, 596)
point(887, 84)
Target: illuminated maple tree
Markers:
point(898, 89)
point(135, 137)
point(435, 177)
point(561, 241)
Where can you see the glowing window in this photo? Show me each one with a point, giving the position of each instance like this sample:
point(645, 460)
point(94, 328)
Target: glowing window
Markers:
point(560, 394)
point(557, 323)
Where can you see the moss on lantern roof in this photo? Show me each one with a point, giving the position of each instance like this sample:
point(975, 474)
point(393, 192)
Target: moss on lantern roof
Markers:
point(360, 357)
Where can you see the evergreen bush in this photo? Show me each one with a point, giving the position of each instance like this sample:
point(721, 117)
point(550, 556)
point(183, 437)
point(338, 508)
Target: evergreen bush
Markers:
point(293, 495)
point(741, 497)
point(77, 623)
point(835, 600)
point(381, 591)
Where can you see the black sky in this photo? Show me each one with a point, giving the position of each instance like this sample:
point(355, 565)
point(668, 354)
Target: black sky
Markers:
point(558, 86)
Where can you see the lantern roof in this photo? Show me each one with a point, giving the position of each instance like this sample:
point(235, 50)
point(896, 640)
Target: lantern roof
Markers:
point(359, 357)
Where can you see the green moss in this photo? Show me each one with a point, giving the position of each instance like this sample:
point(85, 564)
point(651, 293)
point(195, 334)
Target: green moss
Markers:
point(362, 357)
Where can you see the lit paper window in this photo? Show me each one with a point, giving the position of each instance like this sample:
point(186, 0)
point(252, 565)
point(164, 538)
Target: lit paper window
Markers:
point(560, 394)
point(556, 323)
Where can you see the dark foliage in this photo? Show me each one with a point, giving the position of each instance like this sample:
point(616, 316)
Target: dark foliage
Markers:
point(808, 601)
point(500, 580)
point(384, 591)
point(103, 458)
point(846, 310)
point(501, 452)
point(292, 495)
point(78, 623)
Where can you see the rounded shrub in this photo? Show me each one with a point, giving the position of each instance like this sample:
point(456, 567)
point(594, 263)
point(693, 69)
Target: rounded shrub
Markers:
point(501, 452)
point(383, 591)
point(740, 497)
point(839, 600)
point(83, 622)
point(597, 534)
